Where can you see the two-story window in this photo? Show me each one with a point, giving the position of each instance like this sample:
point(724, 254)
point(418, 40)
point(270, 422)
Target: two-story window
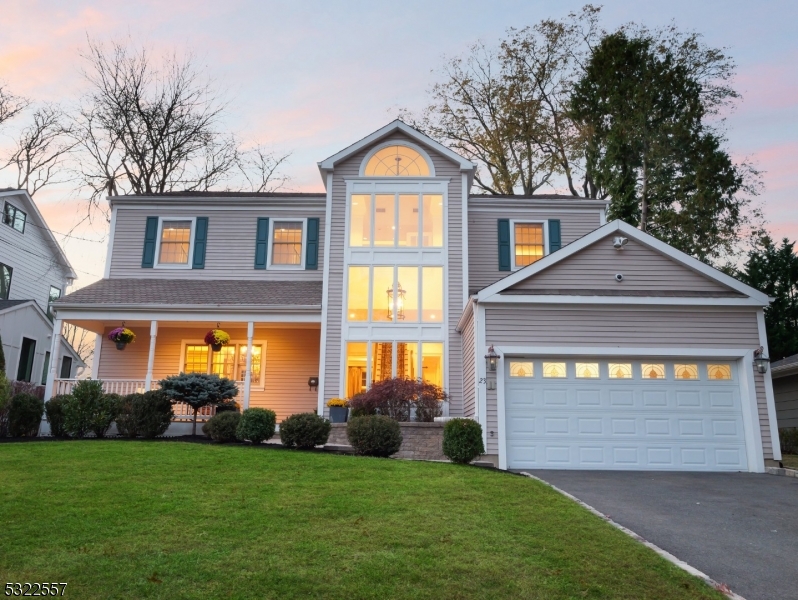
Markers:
point(14, 217)
point(395, 294)
point(396, 220)
point(5, 281)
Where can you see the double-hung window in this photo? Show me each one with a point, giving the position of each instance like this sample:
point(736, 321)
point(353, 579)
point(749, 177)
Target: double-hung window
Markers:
point(14, 217)
point(230, 361)
point(528, 243)
point(174, 242)
point(5, 281)
point(287, 243)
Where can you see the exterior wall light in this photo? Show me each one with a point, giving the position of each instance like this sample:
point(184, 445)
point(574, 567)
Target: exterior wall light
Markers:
point(491, 359)
point(761, 361)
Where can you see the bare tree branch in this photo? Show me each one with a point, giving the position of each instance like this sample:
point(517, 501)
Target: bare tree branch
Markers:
point(10, 105)
point(260, 169)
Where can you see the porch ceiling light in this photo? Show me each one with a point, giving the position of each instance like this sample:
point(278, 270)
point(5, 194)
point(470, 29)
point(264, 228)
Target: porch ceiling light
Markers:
point(761, 361)
point(491, 359)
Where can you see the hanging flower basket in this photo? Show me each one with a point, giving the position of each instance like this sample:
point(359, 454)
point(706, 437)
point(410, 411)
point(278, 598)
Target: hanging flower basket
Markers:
point(216, 338)
point(122, 336)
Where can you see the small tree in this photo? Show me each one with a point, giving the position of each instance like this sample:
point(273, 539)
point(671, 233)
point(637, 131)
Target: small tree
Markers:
point(396, 398)
point(198, 390)
point(2, 359)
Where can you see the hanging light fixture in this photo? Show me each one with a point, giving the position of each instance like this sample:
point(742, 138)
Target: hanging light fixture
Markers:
point(761, 361)
point(400, 302)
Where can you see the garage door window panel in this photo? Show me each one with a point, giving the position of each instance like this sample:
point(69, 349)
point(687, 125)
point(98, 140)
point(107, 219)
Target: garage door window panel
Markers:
point(652, 371)
point(620, 370)
point(587, 370)
point(554, 370)
point(719, 371)
point(682, 372)
point(521, 369)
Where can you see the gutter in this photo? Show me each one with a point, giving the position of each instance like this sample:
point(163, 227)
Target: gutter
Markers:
point(467, 312)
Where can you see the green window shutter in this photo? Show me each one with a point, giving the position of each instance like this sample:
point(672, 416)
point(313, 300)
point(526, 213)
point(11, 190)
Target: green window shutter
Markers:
point(200, 243)
point(262, 243)
point(504, 245)
point(312, 252)
point(150, 239)
point(555, 239)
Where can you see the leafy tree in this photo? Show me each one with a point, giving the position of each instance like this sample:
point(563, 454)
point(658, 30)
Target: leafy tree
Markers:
point(198, 390)
point(773, 270)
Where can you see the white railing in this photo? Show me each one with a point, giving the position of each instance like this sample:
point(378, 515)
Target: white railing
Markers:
point(184, 412)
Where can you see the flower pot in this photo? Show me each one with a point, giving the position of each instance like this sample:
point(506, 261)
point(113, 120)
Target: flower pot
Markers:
point(338, 414)
point(120, 345)
point(216, 347)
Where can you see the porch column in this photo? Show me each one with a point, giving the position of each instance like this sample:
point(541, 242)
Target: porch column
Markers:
point(55, 348)
point(247, 378)
point(151, 357)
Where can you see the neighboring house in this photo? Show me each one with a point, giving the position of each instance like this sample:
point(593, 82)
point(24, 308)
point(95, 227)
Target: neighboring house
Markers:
point(785, 390)
point(34, 271)
point(612, 349)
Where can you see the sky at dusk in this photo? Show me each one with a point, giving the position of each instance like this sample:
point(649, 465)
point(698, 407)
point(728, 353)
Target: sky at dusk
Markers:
point(313, 77)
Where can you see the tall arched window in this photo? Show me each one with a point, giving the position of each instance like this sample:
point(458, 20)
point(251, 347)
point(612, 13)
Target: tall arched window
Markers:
point(397, 161)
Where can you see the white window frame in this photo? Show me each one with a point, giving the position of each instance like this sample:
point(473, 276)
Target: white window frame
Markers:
point(394, 341)
point(256, 386)
point(303, 251)
point(157, 264)
point(424, 154)
point(513, 222)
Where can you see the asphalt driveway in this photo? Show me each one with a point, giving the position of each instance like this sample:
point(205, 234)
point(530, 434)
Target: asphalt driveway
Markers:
point(741, 529)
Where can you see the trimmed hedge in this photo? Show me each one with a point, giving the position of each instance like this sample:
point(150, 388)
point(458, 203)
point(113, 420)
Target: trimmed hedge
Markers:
point(374, 435)
point(54, 410)
point(222, 427)
point(80, 407)
point(462, 440)
point(147, 415)
point(256, 425)
point(24, 415)
point(304, 430)
point(104, 413)
point(788, 437)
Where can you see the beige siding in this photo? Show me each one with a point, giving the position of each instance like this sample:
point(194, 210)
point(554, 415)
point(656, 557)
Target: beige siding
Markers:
point(643, 269)
point(785, 391)
point(625, 327)
point(292, 356)
point(230, 253)
point(454, 286)
point(469, 369)
point(483, 234)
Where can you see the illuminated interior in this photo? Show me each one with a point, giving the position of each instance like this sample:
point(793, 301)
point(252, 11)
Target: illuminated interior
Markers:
point(432, 362)
point(407, 278)
point(398, 219)
point(230, 361)
point(358, 304)
point(395, 299)
point(175, 242)
point(397, 161)
point(355, 368)
point(432, 294)
point(384, 216)
point(381, 361)
point(360, 220)
point(528, 243)
point(406, 360)
point(287, 245)
point(382, 286)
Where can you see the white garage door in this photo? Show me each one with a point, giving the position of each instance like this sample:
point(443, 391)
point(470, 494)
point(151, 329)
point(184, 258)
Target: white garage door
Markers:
point(623, 414)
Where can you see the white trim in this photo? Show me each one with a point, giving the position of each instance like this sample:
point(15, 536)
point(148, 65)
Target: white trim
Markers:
point(631, 232)
point(188, 313)
point(769, 395)
point(603, 217)
point(501, 413)
point(630, 300)
point(544, 222)
point(464, 247)
point(325, 295)
point(95, 363)
point(260, 386)
point(720, 353)
point(481, 369)
point(151, 355)
point(157, 258)
point(751, 425)
point(109, 252)
point(55, 346)
point(248, 364)
point(301, 266)
point(387, 144)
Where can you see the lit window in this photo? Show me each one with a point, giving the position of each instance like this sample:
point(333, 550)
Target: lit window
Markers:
point(432, 294)
point(521, 369)
point(587, 370)
point(397, 161)
point(175, 242)
point(196, 359)
point(406, 360)
point(230, 361)
point(5, 281)
point(653, 371)
point(360, 220)
point(287, 245)
point(255, 364)
point(395, 294)
point(384, 216)
point(381, 361)
point(223, 362)
point(432, 363)
point(407, 294)
point(399, 220)
point(432, 221)
point(13, 217)
point(554, 370)
point(620, 370)
point(528, 243)
point(409, 216)
point(685, 371)
point(358, 292)
point(384, 306)
point(355, 368)
point(719, 371)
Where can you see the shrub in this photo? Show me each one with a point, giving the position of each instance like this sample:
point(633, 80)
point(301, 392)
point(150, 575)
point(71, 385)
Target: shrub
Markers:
point(229, 406)
point(148, 414)
point(789, 440)
point(198, 390)
point(397, 397)
point(222, 427)
point(256, 425)
point(462, 440)
point(5, 397)
point(104, 413)
point(81, 406)
point(304, 430)
point(374, 435)
point(54, 410)
point(25, 415)
point(27, 387)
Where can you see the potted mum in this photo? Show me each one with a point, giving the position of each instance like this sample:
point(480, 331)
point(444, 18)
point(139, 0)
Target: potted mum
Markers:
point(339, 410)
point(122, 336)
point(216, 338)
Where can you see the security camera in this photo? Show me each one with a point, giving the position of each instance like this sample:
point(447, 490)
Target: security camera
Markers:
point(619, 277)
point(618, 242)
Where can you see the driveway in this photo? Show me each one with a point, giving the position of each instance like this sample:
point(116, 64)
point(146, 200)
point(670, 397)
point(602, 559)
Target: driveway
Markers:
point(741, 529)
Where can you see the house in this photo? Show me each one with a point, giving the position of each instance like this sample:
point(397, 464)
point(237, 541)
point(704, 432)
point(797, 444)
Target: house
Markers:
point(606, 348)
point(34, 271)
point(785, 390)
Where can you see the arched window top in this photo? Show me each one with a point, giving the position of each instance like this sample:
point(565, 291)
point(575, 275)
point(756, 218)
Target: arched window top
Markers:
point(397, 161)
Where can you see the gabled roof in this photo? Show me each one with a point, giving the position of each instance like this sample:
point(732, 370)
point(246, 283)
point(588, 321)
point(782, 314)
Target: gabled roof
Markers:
point(12, 305)
point(626, 230)
point(328, 164)
point(33, 211)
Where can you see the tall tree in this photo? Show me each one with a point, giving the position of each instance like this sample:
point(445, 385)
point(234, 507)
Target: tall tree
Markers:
point(773, 269)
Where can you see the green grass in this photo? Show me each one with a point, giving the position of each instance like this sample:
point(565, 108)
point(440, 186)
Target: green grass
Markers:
point(121, 519)
point(790, 461)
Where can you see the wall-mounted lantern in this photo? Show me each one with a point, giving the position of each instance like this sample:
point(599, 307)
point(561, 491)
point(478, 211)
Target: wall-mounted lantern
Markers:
point(491, 359)
point(761, 361)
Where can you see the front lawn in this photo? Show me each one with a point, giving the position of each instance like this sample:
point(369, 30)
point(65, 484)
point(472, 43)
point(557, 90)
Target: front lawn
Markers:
point(790, 461)
point(119, 519)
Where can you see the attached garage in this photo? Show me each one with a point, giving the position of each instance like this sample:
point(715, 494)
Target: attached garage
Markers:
point(620, 413)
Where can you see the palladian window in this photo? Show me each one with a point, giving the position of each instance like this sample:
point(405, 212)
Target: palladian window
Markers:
point(397, 161)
